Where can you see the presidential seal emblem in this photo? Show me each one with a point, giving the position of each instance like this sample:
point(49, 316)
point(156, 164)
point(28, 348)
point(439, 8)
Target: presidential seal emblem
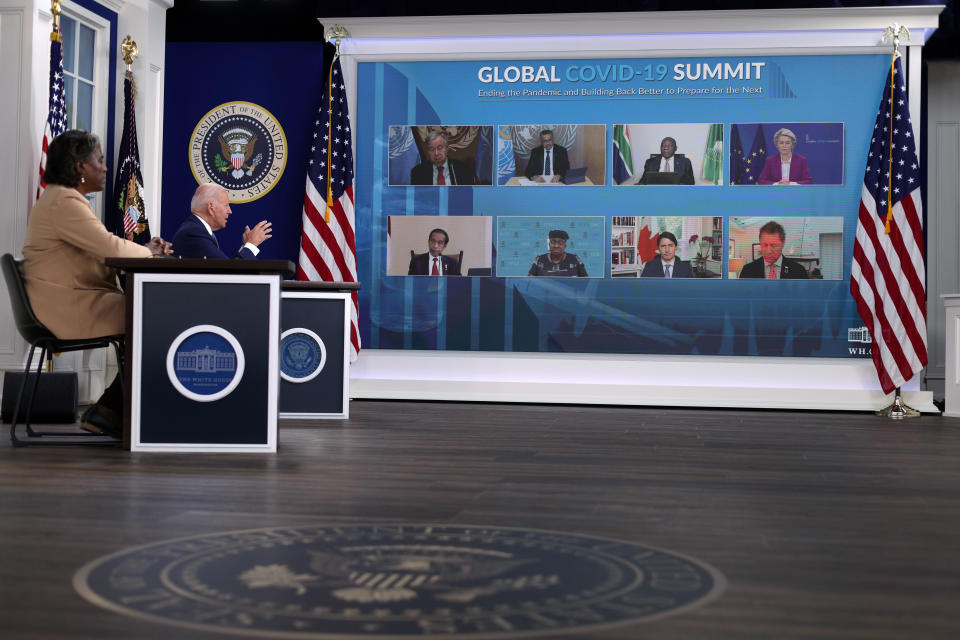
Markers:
point(241, 147)
point(397, 581)
point(302, 355)
point(205, 363)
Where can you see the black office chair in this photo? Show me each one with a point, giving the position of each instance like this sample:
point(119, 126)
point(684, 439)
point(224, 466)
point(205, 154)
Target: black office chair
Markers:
point(37, 335)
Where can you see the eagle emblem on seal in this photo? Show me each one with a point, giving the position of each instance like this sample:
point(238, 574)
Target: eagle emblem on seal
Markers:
point(238, 144)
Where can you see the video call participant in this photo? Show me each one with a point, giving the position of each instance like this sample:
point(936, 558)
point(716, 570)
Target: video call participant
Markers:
point(433, 262)
point(558, 262)
point(72, 292)
point(772, 265)
point(787, 167)
point(440, 170)
point(666, 265)
point(549, 161)
point(210, 208)
point(667, 162)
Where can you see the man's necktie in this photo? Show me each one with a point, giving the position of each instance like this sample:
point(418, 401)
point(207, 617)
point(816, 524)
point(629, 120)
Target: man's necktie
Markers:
point(771, 271)
point(435, 271)
point(667, 269)
point(547, 169)
point(440, 179)
point(669, 168)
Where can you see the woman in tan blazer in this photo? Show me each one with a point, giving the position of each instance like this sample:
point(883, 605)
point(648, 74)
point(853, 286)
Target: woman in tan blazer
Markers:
point(70, 288)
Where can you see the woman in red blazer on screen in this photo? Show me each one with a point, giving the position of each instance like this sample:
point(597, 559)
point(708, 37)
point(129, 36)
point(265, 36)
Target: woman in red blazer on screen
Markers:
point(787, 167)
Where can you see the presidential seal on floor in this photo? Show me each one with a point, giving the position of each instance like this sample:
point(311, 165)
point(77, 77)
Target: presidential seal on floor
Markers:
point(398, 581)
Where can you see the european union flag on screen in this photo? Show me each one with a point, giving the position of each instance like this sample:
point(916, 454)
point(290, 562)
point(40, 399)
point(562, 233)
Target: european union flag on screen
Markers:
point(404, 154)
point(736, 155)
point(753, 161)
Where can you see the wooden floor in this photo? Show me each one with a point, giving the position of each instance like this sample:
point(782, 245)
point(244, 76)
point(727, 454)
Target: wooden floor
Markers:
point(826, 525)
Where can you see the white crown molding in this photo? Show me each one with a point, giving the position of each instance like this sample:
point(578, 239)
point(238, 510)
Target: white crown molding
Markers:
point(921, 20)
point(114, 5)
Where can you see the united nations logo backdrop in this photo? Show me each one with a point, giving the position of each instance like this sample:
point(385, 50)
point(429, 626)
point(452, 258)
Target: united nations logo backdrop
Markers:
point(247, 128)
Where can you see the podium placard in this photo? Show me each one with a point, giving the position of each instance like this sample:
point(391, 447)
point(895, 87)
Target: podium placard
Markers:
point(202, 354)
point(315, 350)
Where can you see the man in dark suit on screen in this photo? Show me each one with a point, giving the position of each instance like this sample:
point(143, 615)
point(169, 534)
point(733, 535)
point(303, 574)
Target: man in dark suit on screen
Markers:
point(441, 170)
point(549, 161)
point(679, 168)
point(772, 265)
point(433, 262)
point(209, 210)
point(666, 265)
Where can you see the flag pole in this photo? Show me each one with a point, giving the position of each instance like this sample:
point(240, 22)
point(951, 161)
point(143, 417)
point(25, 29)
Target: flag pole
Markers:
point(56, 10)
point(130, 52)
point(335, 33)
point(898, 409)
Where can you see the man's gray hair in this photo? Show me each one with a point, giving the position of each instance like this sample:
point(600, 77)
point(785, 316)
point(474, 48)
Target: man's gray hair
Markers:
point(205, 193)
point(433, 135)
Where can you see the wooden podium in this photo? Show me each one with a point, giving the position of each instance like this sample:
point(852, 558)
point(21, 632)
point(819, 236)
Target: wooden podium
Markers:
point(201, 370)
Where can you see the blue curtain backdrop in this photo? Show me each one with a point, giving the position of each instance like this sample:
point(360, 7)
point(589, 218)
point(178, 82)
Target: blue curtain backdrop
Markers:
point(286, 79)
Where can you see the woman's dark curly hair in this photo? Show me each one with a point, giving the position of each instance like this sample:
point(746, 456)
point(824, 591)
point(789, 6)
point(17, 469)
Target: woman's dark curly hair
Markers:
point(63, 154)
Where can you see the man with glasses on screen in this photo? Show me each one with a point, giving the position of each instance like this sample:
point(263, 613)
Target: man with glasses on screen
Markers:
point(549, 161)
point(440, 170)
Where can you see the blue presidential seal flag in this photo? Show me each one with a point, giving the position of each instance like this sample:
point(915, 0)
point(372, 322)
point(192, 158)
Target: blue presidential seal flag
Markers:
point(302, 355)
point(241, 147)
point(205, 363)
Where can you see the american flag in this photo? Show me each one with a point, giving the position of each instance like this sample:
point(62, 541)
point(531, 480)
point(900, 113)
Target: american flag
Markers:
point(888, 275)
point(328, 249)
point(57, 113)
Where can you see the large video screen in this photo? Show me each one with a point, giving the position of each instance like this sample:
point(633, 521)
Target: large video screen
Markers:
point(550, 205)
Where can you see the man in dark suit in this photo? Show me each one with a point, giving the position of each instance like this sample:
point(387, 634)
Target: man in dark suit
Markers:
point(549, 161)
point(772, 265)
point(210, 208)
point(667, 162)
point(441, 170)
point(666, 265)
point(434, 263)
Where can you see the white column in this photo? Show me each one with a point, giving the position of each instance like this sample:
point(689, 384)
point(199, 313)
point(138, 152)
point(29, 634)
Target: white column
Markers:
point(951, 385)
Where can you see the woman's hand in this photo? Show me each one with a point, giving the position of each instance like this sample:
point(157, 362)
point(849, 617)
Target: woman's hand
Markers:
point(159, 247)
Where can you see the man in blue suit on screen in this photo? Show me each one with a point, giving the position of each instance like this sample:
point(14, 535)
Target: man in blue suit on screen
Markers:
point(666, 265)
point(209, 209)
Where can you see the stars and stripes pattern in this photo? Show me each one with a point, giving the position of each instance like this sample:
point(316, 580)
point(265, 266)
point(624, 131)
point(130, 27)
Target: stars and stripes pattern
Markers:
point(328, 250)
point(57, 111)
point(888, 276)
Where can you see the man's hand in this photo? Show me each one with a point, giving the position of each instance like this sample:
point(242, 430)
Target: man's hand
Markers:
point(258, 234)
point(538, 179)
point(159, 247)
